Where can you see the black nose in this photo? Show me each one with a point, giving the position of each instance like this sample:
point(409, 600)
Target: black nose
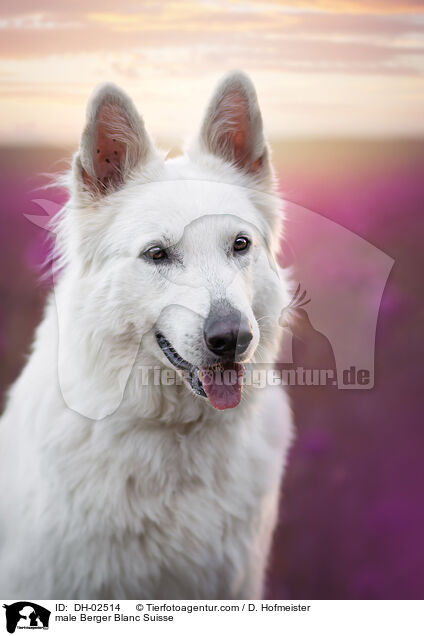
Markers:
point(229, 335)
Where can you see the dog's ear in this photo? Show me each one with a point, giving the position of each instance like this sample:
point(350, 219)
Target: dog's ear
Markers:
point(114, 141)
point(232, 127)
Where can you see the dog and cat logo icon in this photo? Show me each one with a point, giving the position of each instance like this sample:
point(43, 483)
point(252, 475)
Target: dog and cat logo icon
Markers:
point(26, 615)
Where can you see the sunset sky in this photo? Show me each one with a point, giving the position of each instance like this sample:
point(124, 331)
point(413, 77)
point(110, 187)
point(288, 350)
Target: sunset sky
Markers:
point(324, 67)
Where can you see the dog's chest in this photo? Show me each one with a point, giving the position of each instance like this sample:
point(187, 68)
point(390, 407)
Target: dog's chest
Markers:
point(169, 520)
point(193, 545)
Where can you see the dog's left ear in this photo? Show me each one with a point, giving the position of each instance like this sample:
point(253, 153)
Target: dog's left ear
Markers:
point(114, 141)
point(232, 128)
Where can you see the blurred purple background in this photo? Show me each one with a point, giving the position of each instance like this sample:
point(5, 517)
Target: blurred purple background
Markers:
point(352, 513)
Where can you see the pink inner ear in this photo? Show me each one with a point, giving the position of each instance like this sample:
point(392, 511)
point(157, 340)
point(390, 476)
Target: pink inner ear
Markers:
point(239, 144)
point(109, 152)
point(232, 116)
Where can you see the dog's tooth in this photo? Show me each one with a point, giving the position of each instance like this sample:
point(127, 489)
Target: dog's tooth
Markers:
point(200, 374)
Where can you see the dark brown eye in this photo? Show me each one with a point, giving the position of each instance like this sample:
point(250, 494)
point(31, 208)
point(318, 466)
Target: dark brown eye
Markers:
point(156, 253)
point(241, 244)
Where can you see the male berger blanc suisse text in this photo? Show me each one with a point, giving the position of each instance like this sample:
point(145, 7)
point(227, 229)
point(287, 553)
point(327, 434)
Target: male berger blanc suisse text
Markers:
point(114, 487)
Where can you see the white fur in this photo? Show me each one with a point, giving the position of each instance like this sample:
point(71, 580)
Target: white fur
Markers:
point(116, 489)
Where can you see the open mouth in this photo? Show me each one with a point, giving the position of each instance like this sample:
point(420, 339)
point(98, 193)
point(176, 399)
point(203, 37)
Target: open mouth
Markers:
point(221, 383)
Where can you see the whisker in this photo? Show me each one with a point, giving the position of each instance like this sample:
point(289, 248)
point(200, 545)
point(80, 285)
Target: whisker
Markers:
point(299, 300)
point(303, 304)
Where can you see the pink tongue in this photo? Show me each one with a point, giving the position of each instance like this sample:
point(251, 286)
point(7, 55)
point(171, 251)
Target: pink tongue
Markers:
point(223, 387)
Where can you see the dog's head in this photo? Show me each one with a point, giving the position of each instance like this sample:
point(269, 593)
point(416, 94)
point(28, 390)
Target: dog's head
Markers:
point(178, 254)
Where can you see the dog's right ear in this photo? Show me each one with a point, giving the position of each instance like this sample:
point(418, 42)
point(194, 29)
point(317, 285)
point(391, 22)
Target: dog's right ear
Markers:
point(114, 142)
point(232, 127)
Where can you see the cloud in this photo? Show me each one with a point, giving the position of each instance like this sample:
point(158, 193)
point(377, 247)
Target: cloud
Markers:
point(176, 7)
point(61, 50)
point(362, 6)
point(310, 39)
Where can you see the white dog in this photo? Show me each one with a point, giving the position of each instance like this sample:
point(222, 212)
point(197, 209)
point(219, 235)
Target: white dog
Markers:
point(117, 480)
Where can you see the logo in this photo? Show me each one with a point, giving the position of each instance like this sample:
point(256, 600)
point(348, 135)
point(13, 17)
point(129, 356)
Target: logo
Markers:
point(329, 330)
point(26, 615)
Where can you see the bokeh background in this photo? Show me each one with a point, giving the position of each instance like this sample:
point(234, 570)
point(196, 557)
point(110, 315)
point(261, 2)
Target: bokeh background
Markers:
point(341, 86)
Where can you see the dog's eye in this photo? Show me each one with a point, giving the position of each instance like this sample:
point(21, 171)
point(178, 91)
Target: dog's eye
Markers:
point(156, 253)
point(241, 244)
